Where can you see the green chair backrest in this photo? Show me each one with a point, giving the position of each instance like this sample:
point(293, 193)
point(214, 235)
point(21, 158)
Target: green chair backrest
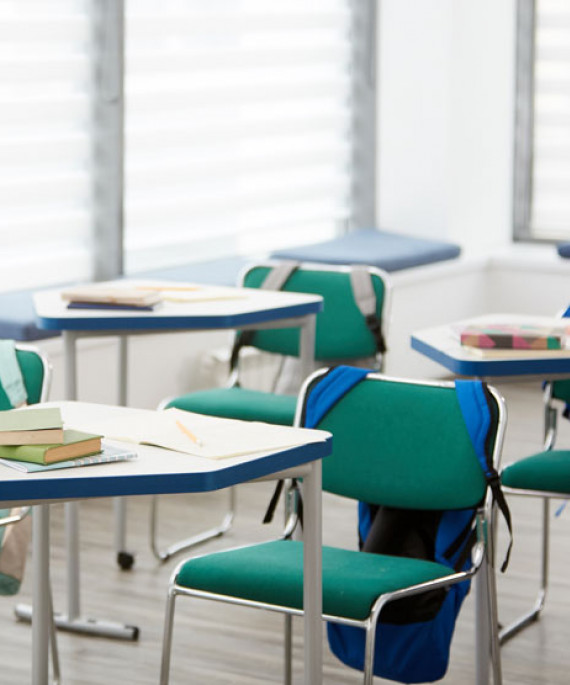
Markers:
point(341, 329)
point(561, 390)
point(34, 371)
point(402, 444)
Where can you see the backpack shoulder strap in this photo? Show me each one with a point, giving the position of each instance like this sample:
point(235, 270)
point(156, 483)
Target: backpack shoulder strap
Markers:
point(321, 398)
point(274, 280)
point(11, 375)
point(328, 391)
point(474, 402)
point(365, 298)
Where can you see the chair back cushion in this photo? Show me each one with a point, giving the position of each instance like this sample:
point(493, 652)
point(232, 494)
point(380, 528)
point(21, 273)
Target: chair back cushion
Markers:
point(402, 444)
point(561, 390)
point(342, 332)
point(33, 371)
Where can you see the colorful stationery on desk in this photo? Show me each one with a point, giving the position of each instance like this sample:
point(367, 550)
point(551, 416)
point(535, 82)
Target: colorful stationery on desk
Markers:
point(200, 435)
point(519, 339)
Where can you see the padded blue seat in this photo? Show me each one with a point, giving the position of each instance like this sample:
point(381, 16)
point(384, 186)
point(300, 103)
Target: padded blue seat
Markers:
point(564, 250)
point(18, 318)
point(382, 249)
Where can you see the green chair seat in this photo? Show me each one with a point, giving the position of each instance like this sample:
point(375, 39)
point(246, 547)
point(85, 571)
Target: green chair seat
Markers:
point(272, 573)
point(547, 471)
point(8, 584)
point(240, 403)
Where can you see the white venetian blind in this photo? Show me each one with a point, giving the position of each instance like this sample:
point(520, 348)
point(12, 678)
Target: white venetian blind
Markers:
point(237, 126)
point(45, 121)
point(550, 215)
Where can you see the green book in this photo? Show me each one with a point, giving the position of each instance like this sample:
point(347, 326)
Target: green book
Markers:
point(75, 444)
point(33, 426)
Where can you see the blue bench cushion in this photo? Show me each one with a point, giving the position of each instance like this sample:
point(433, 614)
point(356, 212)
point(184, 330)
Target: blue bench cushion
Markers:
point(18, 318)
point(564, 250)
point(385, 250)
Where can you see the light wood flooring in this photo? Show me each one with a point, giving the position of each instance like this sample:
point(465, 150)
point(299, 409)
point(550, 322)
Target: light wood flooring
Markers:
point(216, 644)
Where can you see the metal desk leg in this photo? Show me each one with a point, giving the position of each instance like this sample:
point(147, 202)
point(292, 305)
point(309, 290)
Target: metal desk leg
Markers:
point(41, 595)
point(125, 559)
point(482, 629)
point(312, 575)
point(72, 621)
point(307, 345)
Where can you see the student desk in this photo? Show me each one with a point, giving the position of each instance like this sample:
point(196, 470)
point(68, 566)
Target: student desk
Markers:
point(226, 308)
point(161, 471)
point(441, 344)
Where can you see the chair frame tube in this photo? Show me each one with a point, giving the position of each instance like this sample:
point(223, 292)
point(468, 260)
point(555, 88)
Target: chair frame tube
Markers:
point(368, 624)
point(533, 614)
point(482, 554)
point(232, 381)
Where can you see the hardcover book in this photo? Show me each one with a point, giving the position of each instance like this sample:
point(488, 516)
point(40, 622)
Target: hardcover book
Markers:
point(34, 426)
point(113, 296)
point(75, 444)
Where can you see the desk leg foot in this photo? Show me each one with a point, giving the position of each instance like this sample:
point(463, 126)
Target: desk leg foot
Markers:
point(125, 560)
point(85, 626)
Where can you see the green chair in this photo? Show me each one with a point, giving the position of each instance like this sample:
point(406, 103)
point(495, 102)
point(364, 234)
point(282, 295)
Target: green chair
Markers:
point(36, 376)
point(545, 475)
point(343, 335)
point(398, 443)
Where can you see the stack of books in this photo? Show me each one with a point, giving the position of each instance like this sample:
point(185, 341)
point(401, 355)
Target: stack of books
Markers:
point(34, 439)
point(112, 296)
point(504, 339)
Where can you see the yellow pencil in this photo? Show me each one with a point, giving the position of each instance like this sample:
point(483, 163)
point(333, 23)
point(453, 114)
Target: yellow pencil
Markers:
point(189, 433)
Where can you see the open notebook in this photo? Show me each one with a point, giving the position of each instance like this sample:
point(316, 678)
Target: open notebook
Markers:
point(203, 436)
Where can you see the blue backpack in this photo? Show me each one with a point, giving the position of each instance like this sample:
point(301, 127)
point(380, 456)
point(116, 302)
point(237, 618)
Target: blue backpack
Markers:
point(414, 633)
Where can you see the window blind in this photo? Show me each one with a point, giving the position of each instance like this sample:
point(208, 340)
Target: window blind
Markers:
point(237, 126)
point(550, 209)
point(45, 148)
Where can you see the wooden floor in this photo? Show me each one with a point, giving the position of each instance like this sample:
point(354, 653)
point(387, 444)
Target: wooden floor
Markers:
point(215, 644)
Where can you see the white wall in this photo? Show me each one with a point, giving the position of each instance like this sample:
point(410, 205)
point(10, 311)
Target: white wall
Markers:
point(445, 117)
point(446, 82)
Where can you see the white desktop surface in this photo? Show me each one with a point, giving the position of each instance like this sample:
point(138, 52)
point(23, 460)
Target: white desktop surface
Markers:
point(155, 471)
point(241, 307)
point(159, 471)
point(441, 344)
point(224, 308)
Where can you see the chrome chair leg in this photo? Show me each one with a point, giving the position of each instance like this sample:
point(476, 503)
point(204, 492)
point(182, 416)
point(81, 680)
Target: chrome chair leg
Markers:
point(533, 614)
point(187, 543)
point(369, 651)
point(288, 650)
point(489, 569)
point(53, 644)
point(167, 637)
